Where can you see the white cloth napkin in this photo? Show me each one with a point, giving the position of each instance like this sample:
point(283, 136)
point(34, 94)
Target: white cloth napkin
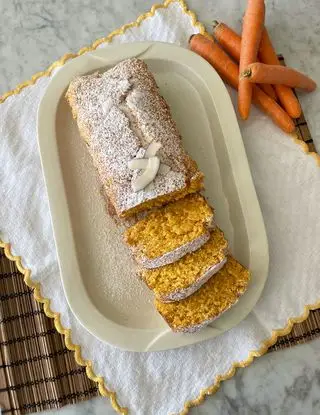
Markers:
point(288, 186)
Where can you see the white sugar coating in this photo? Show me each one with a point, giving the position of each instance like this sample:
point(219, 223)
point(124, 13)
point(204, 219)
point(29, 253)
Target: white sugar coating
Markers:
point(119, 112)
point(107, 105)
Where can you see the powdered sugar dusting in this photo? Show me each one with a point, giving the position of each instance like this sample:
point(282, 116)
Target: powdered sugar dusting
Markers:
point(118, 112)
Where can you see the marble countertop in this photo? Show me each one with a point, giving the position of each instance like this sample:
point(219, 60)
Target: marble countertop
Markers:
point(34, 33)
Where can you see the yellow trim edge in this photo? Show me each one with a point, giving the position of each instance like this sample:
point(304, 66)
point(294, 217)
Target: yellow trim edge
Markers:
point(305, 148)
point(36, 286)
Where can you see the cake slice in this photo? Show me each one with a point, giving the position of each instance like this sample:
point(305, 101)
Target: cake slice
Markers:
point(132, 138)
point(209, 302)
point(181, 279)
point(167, 234)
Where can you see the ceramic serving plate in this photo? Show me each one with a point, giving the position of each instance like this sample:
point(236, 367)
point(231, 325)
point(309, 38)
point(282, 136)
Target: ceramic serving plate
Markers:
point(96, 269)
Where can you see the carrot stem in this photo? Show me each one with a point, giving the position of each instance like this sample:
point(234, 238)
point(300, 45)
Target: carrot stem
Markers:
point(215, 23)
point(246, 74)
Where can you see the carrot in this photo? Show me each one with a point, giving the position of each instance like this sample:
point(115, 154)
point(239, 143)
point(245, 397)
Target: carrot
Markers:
point(271, 108)
point(285, 94)
point(229, 72)
point(228, 39)
point(269, 90)
point(231, 43)
point(262, 73)
point(211, 52)
point(253, 24)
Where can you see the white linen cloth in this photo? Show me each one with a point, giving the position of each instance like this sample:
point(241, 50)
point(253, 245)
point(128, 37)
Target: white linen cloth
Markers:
point(288, 186)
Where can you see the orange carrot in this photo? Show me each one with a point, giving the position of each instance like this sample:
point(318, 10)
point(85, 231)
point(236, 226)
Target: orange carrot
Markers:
point(262, 73)
point(253, 24)
point(285, 94)
point(271, 108)
point(231, 43)
point(228, 39)
point(268, 89)
point(229, 72)
point(211, 52)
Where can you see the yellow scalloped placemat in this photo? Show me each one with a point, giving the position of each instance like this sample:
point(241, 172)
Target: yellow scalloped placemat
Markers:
point(50, 375)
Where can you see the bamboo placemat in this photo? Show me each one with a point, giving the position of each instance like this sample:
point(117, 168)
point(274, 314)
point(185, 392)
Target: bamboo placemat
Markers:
point(37, 371)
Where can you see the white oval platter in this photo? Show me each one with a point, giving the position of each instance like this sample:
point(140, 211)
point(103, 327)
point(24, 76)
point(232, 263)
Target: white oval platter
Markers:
point(98, 281)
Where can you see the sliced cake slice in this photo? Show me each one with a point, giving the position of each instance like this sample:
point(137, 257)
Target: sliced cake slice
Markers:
point(209, 302)
point(177, 281)
point(169, 233)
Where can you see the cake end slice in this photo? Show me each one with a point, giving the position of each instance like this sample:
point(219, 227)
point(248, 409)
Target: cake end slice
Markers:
point(214, 298)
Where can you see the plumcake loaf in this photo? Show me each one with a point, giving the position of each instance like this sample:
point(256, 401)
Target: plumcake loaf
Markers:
point(181, 279)
point(132, 138)
point(167, 234)
point(208, 303)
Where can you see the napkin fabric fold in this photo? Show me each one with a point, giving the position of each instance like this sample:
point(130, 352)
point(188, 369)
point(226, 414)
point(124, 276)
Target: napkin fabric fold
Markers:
point(288, 186)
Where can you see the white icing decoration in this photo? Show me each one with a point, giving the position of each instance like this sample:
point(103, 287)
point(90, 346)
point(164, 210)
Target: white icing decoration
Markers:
point(149, 164)
point(148, 175)
point(152, 149)
point(138, 164)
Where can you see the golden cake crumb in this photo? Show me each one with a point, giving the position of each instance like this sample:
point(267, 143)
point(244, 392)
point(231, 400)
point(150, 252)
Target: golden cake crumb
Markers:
point(178, 280)
point(171, 227)
point(209, 302)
